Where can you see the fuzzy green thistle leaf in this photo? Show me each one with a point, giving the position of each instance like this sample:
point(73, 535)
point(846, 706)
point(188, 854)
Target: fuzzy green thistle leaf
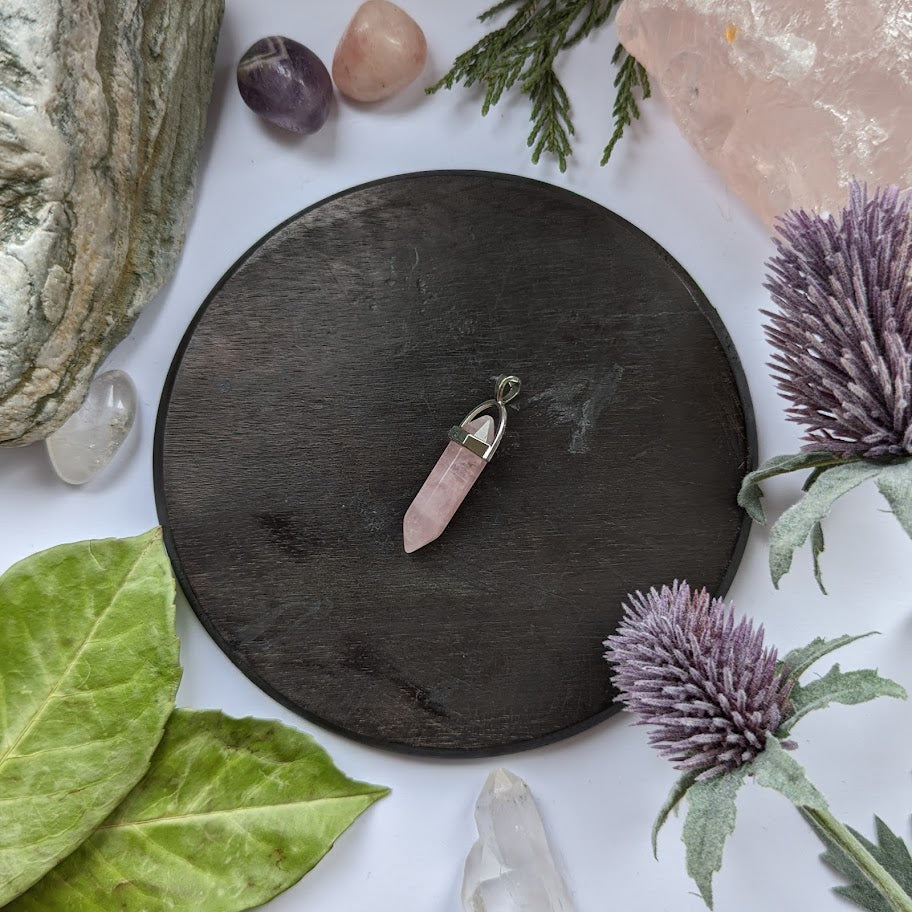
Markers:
point(523, 53)
point(751, 494)
point(895, 483)
point(837, 686)
point(798, 661)
point(818, 542)
point(710, 821)
point(678, 791)
point(830, 477)
point(802, 520)
point(776, 769)
point(890, 851)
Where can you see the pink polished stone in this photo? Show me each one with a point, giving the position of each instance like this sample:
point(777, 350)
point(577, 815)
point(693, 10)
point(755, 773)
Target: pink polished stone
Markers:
point(788, 99)
point(445, 489)
point(382, 51)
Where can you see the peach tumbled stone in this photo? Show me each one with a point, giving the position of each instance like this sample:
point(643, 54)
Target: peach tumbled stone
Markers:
point(445, 489)
point(382, 51)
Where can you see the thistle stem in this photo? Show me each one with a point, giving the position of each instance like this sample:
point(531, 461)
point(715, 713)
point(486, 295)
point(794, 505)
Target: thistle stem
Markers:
point(874, 873)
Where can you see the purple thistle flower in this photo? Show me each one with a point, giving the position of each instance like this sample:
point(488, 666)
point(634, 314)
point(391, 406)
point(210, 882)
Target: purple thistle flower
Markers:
point(706, 683)
point(843, 332)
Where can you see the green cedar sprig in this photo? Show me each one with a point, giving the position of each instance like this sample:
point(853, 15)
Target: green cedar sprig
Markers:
point(524, 51)
point(631, 77)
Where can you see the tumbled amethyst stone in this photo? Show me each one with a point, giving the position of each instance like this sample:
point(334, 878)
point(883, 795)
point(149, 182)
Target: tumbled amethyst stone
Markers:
point(286, 83)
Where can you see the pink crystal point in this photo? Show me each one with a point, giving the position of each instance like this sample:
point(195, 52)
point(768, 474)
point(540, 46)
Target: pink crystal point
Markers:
point(445, 489)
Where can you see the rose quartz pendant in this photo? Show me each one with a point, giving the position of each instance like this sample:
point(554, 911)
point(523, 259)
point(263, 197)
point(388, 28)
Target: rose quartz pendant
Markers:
point(471, 446)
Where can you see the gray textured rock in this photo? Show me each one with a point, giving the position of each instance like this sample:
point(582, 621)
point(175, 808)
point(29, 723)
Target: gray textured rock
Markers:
point(102, 113)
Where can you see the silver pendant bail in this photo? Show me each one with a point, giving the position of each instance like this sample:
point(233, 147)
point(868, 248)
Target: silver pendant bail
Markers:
point(506, 389)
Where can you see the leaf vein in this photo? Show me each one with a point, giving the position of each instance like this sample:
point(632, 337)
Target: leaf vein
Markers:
point(230, 812)
point(40, 709)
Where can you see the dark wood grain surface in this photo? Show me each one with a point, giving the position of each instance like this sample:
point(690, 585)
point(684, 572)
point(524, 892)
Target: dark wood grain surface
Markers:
point(313, 394)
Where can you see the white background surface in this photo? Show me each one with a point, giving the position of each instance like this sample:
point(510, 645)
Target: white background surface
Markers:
point(598, 792)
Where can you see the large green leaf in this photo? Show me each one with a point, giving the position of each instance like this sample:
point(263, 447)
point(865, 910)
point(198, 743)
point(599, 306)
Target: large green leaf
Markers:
point(231, 813)
point(800, 521)
point(751, 494)
point(710, 821)
point(88, 673)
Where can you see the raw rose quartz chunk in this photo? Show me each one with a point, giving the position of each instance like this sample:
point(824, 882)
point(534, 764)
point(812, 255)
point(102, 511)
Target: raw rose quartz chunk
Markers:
point(788, 99)
point(382, 51)
point(445, 489)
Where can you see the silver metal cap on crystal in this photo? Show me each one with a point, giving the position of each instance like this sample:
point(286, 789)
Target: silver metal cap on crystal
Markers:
point(506, 389)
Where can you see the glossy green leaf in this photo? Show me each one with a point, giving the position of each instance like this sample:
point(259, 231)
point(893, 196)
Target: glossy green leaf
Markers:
point(88, 673)
point(231, 813)
point(710, 821)
point(799, 522)
point(750, 496)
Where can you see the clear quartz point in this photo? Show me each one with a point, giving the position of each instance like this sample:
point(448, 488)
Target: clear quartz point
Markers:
point(510, 867)
point(88, 441)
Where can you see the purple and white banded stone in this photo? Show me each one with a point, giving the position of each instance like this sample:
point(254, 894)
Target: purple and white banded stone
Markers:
point(286, 84)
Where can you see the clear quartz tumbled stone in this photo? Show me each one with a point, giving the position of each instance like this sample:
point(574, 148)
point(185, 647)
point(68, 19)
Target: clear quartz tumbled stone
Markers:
point(510, 867)
point(88, 441)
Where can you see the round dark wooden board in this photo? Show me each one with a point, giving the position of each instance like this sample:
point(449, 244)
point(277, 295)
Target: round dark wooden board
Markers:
point(312, 395)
